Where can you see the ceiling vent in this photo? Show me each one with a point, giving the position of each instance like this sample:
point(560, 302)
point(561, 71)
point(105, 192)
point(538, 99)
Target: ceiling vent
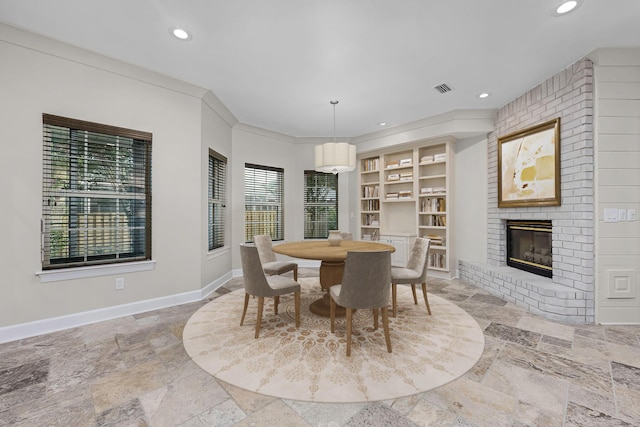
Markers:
point(443, 88)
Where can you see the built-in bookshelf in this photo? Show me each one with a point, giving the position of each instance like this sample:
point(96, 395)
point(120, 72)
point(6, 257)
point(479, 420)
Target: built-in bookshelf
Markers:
point(370, 198)
point(406, 192)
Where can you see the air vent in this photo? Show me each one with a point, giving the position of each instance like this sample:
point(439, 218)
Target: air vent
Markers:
point(443, 88)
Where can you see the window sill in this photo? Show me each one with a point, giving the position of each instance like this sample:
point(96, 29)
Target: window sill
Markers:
point(94, 271)
point(217, 253)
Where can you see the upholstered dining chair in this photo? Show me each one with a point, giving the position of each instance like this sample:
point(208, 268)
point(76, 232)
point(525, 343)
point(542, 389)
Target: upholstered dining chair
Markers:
point(258, 284)
point(414, 272)
point(365, 285)
point(268, 258)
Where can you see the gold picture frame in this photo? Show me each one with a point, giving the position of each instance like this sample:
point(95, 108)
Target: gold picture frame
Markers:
point(529, 166)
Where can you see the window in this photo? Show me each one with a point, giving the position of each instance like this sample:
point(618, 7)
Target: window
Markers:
point(217, 199)
point(263, 202)
point(96, 205)
point(320, 204)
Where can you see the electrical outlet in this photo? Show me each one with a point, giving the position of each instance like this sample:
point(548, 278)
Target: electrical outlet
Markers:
point(120, 283)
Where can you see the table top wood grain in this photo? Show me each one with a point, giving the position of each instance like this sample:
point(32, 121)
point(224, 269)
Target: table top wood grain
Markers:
point(320, 249)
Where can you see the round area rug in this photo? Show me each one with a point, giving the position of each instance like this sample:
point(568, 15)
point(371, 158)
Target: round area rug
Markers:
point(310, 363)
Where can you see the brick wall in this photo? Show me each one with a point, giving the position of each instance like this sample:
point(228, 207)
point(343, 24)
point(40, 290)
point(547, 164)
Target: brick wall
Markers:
point(568, 95)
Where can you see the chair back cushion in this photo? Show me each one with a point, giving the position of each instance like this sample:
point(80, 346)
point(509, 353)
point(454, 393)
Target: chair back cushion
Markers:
point(265, 248)
point(419, 254)
point(255, 280)
point(366, 282)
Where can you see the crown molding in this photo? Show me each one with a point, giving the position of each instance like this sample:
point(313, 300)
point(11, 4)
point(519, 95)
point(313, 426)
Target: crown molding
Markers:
point(459, 124)
point(263, 132)
point(35, 42)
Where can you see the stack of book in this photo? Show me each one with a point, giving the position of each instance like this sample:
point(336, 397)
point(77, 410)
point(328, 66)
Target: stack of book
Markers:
point(404, 194)
point(435, 239)
point(406, 176)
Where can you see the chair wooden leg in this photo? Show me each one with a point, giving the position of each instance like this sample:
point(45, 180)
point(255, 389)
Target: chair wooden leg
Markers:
point(385, 326)
point(259, 319)
point(244, 311)
point(297, 297)
point(426, 300)
point(295, 274)
point(394, 295)
point(375, 319)
point(413, 290)
point(332, 314)
point(276, 302)
point(349, 316)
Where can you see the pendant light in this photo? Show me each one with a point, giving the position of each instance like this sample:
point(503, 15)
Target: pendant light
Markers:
point(335, 157)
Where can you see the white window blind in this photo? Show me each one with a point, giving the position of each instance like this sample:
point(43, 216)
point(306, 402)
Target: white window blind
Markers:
point(96, 206)
point(263, 201)
point(217, 199)
point(320, 204)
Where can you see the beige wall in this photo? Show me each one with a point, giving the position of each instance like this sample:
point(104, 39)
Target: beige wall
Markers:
point(38, 76)
point(617, 153)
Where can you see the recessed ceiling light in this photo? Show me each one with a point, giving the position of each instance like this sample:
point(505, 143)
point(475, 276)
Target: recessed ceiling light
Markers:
point(382, 124)
point(483, 95)
point(567, 6)
point(180, 33)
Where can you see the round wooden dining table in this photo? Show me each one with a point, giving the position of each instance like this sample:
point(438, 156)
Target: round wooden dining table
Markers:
point(332, 263)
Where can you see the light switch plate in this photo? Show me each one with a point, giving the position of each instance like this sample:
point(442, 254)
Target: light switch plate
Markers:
point(631, 215)
point(611, 215)
point(622, 214)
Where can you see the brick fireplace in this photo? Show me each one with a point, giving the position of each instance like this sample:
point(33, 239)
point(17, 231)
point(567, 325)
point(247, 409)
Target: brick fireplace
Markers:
point(569, 294)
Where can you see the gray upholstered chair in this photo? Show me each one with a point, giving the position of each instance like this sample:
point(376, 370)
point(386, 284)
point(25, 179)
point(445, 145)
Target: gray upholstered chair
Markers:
point(365, 285)
point(268, 258)
point(414, 272)
point(258, 284)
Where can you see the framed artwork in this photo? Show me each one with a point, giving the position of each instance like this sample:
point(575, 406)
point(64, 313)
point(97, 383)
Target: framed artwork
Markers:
point(529, 166)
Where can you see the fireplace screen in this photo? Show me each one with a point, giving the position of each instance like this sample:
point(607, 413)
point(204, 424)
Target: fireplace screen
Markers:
point(529, 246)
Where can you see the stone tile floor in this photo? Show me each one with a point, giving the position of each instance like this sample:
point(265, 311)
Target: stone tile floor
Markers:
point(133, 371)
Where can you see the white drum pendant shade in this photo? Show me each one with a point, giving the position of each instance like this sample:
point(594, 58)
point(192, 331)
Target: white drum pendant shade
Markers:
point(335, 157)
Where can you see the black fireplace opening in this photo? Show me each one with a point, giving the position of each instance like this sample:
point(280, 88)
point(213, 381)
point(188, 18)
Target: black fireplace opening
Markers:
point(529, 246)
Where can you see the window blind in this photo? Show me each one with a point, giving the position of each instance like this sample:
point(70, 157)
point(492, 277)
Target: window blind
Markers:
point(263, 201)
point(320, 204)
point(217, 199)
point(96, 205)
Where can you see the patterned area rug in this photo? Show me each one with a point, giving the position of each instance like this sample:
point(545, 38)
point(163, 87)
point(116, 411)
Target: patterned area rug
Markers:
point(310, 363)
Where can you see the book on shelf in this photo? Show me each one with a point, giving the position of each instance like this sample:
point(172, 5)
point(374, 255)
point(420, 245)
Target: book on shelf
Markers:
point(405, 162)
point(426, 159)
point(439, 157)
point(437, 260)
point(392, 165)
point(406, 176)
point(393, 177)
point(392, 195)
point(404, 194)
point(426, 190)
point(370, 191)
point(369, 165)
point(433, 204)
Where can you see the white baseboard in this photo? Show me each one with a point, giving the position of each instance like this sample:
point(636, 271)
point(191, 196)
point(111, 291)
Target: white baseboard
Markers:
point(54, 324)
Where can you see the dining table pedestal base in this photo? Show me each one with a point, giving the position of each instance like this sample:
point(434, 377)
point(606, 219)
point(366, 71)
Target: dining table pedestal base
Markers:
point(330, 274)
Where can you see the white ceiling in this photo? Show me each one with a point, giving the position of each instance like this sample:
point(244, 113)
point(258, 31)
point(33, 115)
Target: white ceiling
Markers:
point(276, 64)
